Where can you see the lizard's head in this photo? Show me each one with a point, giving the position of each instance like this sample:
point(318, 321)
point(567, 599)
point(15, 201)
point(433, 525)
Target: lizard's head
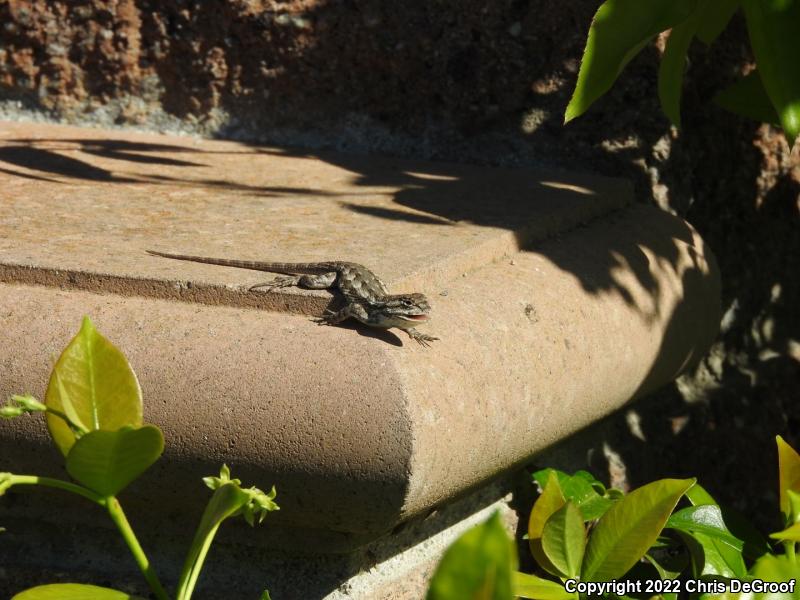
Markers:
point(404, 310)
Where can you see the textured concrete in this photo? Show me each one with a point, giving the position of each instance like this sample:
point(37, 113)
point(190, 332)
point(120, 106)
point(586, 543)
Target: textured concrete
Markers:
point(111, 195)
point(556, 301)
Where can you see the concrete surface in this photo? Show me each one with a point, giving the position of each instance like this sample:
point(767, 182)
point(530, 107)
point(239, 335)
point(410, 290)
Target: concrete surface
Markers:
point(556, 300)
point(114, 194)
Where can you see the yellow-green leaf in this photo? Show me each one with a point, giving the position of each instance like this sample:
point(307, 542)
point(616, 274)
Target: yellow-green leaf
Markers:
point(72, 591)
point(107, 461)
point(791, 534)
point(477, 566)
point(546, 504)
point(564, 540)
point(93, 384)
point(788, 474)
point(624, 533)
point(537, 588)
point(777, 569)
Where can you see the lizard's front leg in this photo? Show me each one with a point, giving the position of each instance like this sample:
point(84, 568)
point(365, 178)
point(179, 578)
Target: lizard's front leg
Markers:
point(352, 310)
point(309, 282)
point(421, 338)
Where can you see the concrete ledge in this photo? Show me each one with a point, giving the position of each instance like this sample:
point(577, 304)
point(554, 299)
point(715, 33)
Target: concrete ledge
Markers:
point(557, 301)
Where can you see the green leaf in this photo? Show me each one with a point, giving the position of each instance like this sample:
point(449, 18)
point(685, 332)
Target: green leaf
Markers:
point(747, 97)
point(673, 65)
point(619, 30)
point(72, 591)
point(788, 475)
point(722, 526)
point(697, 495)
point(477, 566)
point(615, 494)
point(623, 535)
point(224, 477)
point(726, 595)
point(546, 504)
point(564, 540)
point(774, 27)
point(714, 549)
point(531, 586)
point(259, 505)
point(92, 384)
point(582, 489)
point(755, 544)
point(776, 568)
point(791, 534)
point(107, 461)
point(705, 519)
point(794, 506)
point(710, 557)
point(566, 481)
point(716, 15)
point(265, 595)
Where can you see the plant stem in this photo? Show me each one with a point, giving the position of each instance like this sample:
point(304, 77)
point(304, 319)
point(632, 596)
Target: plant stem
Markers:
point(118, 516)
point(790, 547)
point(187, 588)
point(59, 484)
point(115, 512)
point(71, 424)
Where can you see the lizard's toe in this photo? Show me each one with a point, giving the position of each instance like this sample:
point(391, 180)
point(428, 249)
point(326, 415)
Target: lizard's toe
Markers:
point(325, 319)
point(421, 338)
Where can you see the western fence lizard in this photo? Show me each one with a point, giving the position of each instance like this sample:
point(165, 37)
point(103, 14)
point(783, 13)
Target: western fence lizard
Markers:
point(367, 299)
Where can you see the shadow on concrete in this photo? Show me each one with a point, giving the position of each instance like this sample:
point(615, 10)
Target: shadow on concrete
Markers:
point(438, 193)
point(54, 158)
point(55, 163)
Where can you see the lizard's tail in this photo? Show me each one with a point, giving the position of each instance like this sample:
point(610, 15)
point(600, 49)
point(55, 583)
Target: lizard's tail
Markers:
point(224, 262)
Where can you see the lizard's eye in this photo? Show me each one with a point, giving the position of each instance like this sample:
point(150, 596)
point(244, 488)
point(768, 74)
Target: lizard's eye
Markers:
point(406, 302)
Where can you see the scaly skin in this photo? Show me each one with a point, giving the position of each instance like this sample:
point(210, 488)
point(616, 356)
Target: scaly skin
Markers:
point(366, 296)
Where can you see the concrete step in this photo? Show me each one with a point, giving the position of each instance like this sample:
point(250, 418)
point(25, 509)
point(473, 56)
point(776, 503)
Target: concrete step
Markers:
point(557, 300)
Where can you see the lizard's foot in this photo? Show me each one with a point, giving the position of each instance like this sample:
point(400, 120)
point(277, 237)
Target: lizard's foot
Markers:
point(277, 283)
point(423, 339)
point(328, 318)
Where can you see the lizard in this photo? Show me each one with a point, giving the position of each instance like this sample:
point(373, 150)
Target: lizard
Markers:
point(366, 297)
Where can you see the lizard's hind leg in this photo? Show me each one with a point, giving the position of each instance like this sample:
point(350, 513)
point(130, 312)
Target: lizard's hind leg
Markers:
point(278, 282)
point(309, 282)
